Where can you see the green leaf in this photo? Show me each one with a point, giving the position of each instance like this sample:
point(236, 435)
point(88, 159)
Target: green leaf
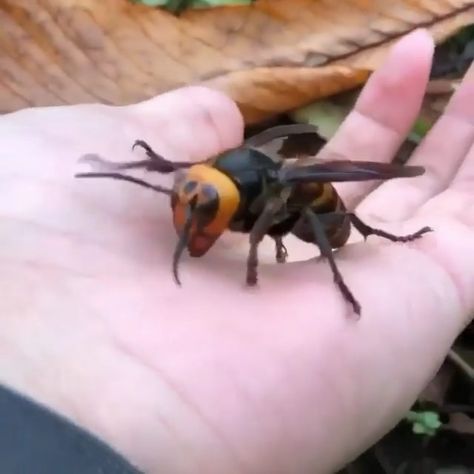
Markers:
point(425, 422)
point(431, 420)
point(326, 115)
point(418, 428)
point(419, 130)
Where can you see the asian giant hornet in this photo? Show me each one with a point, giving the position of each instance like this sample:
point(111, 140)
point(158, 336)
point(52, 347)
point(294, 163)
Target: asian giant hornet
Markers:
point(247, 190)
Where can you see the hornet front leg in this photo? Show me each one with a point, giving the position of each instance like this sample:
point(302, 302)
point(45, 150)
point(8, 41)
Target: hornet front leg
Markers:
point(258, 232)
point(154, 162)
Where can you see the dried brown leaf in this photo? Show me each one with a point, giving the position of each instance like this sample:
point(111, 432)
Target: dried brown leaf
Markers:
point(270, 57)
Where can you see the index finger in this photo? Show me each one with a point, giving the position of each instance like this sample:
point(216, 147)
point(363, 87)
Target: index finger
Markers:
point(385, 110)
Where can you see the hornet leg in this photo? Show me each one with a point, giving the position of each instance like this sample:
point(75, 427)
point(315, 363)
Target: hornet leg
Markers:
point(366, 230)
point(258, 232)
point(154, 162)
point(281, 253)
point(324, 245)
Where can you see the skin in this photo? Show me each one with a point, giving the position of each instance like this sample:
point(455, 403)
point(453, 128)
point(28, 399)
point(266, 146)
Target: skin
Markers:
point(215, 377)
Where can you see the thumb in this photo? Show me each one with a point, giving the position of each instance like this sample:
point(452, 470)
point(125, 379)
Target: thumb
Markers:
point(194, 122)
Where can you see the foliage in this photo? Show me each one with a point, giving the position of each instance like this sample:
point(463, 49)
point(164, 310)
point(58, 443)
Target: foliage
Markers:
point(270, 56)
point(424, 422)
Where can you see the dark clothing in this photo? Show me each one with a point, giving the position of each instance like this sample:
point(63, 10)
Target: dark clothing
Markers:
point(34, 440)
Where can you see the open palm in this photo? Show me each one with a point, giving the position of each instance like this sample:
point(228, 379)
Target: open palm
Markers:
point(215, 377)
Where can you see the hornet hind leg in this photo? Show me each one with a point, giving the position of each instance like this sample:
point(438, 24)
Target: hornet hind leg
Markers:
point(366, 230)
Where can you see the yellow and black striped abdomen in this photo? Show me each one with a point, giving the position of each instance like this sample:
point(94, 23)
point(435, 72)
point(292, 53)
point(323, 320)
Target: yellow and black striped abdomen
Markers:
point(323, 200)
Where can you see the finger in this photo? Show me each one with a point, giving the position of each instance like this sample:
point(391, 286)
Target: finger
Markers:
point(464, 178)
point(189, 123)
point(442, 153)
point(386, 108)
point(397, 316)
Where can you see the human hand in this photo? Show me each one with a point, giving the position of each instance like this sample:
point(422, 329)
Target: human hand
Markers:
point(212, 377)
